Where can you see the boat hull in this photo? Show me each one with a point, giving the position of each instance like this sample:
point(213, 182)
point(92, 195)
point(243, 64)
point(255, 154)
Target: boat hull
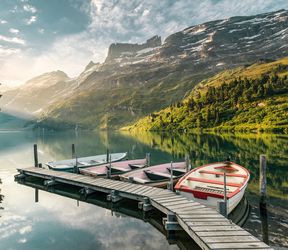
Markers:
point(205, 184)
point(84, 162)
point(213, 201)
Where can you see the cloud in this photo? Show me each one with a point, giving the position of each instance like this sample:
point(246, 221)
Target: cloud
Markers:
point(22, 241)
point(14, 31)
point(3, 21)
point(14, 40)
point(31, 20)
point(4, 51)
point(25, 230)
point(116, 21)
point(29, 8)
point(41, 30)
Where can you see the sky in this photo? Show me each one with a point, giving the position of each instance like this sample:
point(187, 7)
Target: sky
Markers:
point(38, 36)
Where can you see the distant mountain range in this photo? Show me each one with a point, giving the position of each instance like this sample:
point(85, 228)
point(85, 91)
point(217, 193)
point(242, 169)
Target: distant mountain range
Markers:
point(138, 79)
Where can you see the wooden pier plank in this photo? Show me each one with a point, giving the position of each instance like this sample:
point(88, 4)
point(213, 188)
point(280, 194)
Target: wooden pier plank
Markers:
point(205, 226)
point(224, 233)
point(229, 239)
point(237, 245)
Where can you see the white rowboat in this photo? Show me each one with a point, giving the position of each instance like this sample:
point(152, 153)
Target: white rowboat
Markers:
point(84, 162)
point(205, 184)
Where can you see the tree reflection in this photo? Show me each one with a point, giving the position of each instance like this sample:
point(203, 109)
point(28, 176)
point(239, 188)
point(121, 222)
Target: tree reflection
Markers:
point(241, 148)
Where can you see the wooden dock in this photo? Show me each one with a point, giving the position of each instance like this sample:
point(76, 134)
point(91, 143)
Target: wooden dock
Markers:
point(206, 227)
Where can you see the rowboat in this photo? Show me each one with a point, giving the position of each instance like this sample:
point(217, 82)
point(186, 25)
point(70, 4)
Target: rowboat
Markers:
point(156, 176)
point(115, 169)
point(205, 184)
point(84, 162)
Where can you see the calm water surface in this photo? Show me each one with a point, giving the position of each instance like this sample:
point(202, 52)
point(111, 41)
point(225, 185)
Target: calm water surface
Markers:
point(59, 222)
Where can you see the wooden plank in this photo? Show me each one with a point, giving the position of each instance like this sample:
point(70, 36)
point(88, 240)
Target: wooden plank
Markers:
point(208, 223)
point(125, 189)
point(119, 186)
point(172, 203)
point(133, 189)
point(163, 200)
point(144, 190)
point(140, 189)
point(180, 206)
point(204, 219)
point(159, 207)
point(235, 245)
point(183, 213)
point(164, 195)
point(205, 216)
point(193, 207)
point(230, 239)
point(154, 192)
point(147, 192)
point(186, 213)
point(223, 233)
point(212, 228)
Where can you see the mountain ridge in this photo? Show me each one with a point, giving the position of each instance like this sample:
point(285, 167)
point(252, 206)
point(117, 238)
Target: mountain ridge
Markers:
point(129, 86)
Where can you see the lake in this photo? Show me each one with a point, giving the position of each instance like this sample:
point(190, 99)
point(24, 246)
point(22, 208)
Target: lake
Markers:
point(67, 222)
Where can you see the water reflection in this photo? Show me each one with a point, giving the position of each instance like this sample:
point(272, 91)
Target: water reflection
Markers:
point(1, 197)
point(16, 150)
point(122, 210)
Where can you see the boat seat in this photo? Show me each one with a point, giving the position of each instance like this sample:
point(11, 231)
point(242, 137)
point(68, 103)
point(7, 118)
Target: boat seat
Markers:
point(93, 161)
point(156, 176)
point(117, 169)
point(230, 168)
point(82, 163)
point(211, 190)
point(222, 173)
point(231, 184)
point(177, 171)
point(139, 180)
point(136, 166)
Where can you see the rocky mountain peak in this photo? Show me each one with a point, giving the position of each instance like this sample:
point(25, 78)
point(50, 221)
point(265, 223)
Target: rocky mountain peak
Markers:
point(118, 50)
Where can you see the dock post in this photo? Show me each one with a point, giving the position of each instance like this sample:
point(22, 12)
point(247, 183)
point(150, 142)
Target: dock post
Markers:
point(145, 205)
point(76, 170)
point(263, 199)
point(35, 156)
point(222, 205)
point(36, 195)
point(262, 179)
point(225, 194)
point(109, 169)
point(187, 161)
point(170, 223)
point(73, 151)
point(171, 183)
point(107, 155)
point(148, 159)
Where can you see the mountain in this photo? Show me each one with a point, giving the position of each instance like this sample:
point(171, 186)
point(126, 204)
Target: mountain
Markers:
point(36, 94)
point(13, 122)
point(245, 99)
point(138, 79)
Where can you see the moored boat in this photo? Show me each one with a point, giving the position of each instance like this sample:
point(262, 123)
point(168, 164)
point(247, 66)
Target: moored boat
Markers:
point(157, 175)
point(205, 184)
point(115, 169)
point(84, 162)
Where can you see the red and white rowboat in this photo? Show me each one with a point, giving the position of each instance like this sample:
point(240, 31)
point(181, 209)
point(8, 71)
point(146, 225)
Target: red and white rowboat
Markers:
point(205, 184)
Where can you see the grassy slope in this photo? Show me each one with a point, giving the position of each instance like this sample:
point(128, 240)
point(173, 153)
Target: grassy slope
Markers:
point(267, 113)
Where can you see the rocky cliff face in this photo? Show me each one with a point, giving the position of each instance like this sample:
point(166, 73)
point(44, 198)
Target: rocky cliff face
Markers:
point(124, 50)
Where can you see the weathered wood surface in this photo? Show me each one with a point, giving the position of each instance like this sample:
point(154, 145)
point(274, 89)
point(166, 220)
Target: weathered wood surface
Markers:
point(208, 228)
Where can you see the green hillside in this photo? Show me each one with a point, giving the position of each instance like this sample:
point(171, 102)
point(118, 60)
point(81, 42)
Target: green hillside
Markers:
point(244, 99)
